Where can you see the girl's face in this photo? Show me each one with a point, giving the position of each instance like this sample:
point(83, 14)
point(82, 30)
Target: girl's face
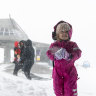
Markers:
point(62, 31)
point(63, 35)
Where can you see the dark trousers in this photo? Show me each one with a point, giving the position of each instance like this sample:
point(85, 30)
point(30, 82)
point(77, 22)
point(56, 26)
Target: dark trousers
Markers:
point(27, 67)
point(18, 66)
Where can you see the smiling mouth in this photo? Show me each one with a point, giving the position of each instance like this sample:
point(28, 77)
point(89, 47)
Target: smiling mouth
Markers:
point(64, 36)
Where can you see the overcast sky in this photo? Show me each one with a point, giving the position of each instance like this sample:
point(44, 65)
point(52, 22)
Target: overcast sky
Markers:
point(38, 17)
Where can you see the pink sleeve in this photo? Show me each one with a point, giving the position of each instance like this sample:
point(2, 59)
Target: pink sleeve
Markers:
point(49, 53)
point(76, 52)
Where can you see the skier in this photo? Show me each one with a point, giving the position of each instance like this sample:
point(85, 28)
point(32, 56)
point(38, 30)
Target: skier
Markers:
point(17, 52)
point(64, 53)
point(28, 58)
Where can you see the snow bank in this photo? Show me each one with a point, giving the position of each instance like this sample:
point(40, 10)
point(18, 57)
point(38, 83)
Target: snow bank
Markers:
point(19, 86)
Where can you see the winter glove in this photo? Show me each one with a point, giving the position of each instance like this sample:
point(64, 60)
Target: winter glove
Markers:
point(65, 55)
point(58, 54)
point(62, 54)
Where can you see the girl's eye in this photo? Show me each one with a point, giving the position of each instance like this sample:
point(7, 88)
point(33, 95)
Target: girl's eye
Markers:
point(64, 32)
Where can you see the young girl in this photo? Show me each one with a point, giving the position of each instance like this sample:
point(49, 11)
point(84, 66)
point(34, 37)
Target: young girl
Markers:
point(64, 53)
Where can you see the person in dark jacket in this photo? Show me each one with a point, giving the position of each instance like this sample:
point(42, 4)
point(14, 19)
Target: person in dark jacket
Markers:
point(28, 57)
point(22, 46)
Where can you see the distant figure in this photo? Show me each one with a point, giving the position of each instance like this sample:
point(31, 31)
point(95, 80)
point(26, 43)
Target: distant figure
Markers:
point(28, 57)
point(22, 46)
point(17, 52)
point(64, 53)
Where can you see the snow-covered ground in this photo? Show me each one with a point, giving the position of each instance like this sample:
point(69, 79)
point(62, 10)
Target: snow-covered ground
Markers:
point(19, 86)
point(41, 84)
point(87, 82)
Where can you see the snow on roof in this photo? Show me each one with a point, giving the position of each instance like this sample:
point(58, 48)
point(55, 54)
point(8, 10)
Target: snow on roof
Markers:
point(10, 30)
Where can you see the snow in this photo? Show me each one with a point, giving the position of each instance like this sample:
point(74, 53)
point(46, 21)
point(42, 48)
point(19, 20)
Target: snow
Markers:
point(11, 85)
point(87, 82)
point(41, 63)
point(20, 86)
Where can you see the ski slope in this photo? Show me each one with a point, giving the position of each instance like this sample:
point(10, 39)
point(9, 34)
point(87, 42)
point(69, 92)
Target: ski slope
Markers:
point(19, 86)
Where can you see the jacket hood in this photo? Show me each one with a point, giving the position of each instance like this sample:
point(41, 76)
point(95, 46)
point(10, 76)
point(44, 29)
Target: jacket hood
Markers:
point(69, 32)
point(28, 43)
point(22, 41)
point(16, 43)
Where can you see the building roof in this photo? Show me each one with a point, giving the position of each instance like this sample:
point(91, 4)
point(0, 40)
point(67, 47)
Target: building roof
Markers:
point(10, 30)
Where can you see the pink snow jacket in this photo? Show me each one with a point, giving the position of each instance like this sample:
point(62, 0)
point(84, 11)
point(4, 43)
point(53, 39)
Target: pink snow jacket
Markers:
point(71, 47)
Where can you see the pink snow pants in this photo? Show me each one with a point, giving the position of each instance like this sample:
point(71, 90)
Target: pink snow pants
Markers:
point(65, 83)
